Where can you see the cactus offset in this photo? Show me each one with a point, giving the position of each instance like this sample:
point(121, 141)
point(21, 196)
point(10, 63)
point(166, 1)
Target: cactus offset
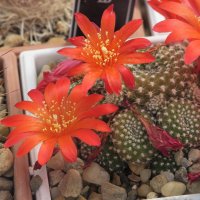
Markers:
point(181, 120)
point(108, 158)
point(130, 137)
point(163, 163)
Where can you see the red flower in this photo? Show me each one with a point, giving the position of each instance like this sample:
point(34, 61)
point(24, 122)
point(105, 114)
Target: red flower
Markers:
point(59, 72)
point(186, 28)
point(193, 177)
point(58, 119)
point(157, 136)
point(155, 5)
point(105, 52)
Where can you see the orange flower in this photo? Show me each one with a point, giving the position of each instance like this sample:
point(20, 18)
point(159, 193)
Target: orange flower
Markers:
point(187, 28)
point(105, 52)
point(58, 118)
point(155, 5)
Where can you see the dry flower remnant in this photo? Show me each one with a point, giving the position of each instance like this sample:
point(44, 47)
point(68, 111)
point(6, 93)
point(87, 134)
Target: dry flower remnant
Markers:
point(58, 119)
point(187, 26)
point(157, 136)
point(105, 52)
point(193, 177)
point(59, 71)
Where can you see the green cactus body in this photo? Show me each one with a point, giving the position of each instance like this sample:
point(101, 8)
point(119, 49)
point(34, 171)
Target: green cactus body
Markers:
point(155, 105)
point(163, 163)
point(181, 120)
point(167, 76)
point(108, 157)
point(130, 137)
point(192, 93)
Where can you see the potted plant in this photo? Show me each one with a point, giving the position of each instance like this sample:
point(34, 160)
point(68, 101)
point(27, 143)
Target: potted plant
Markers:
point(149, 93)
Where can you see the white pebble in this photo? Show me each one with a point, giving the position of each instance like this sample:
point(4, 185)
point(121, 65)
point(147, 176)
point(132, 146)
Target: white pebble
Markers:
point(145, 175)
point(152, 195)
point(173, 188)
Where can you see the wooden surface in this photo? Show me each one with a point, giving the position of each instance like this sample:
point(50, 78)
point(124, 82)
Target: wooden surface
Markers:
point(137, 15)
point(12, 87)
point(18, 50)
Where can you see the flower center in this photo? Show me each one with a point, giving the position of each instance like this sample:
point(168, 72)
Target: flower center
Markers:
point(102, 55)
point(57, 119)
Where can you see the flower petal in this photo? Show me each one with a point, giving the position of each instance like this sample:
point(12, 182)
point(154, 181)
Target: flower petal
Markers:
point(77, 41)
point(51, 96)
point(62, 87)
point(76, 94)
point(182, 34)
point(68, 149)
point(107, 87)
point(76, 53)
point(114, 79)
point(171, 25)
point(192, 51)
point(62, 68)
point(125, 32)
point(18, 120)
point(192, 5)
point(89, 79)
point(133, 45)
point(96, 27)
point(87, 102)
point(182, 11)
point(46, 151)
point(36, 97)
point(127, 76)
point(87, 28)
point(108, 24)
point(31, 142)
point(17, 138)
point(90, 123)
point(82, 69)
point(88, 136)
point(25, 128)
point(29, 106)
point(135, 58)
point(99, 110)
point(155, 5)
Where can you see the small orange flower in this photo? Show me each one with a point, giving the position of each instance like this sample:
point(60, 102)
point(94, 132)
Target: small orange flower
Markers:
point(105, 52)
point(187, 27)
point(58, 118)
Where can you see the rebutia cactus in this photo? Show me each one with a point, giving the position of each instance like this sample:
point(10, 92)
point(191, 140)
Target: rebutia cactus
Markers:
point(162, 163)
point(162, 90)
point(108, 157)
point(130, 137)
point(181, 120)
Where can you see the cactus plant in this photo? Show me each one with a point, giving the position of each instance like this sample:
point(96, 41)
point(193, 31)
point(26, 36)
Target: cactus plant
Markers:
point(108, 157)
point(181, 120)
point(130, 137)
point(162, 163)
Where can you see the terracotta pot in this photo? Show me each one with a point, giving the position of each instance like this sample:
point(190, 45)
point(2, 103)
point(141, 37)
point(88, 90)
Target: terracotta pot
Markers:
point(8, 62)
